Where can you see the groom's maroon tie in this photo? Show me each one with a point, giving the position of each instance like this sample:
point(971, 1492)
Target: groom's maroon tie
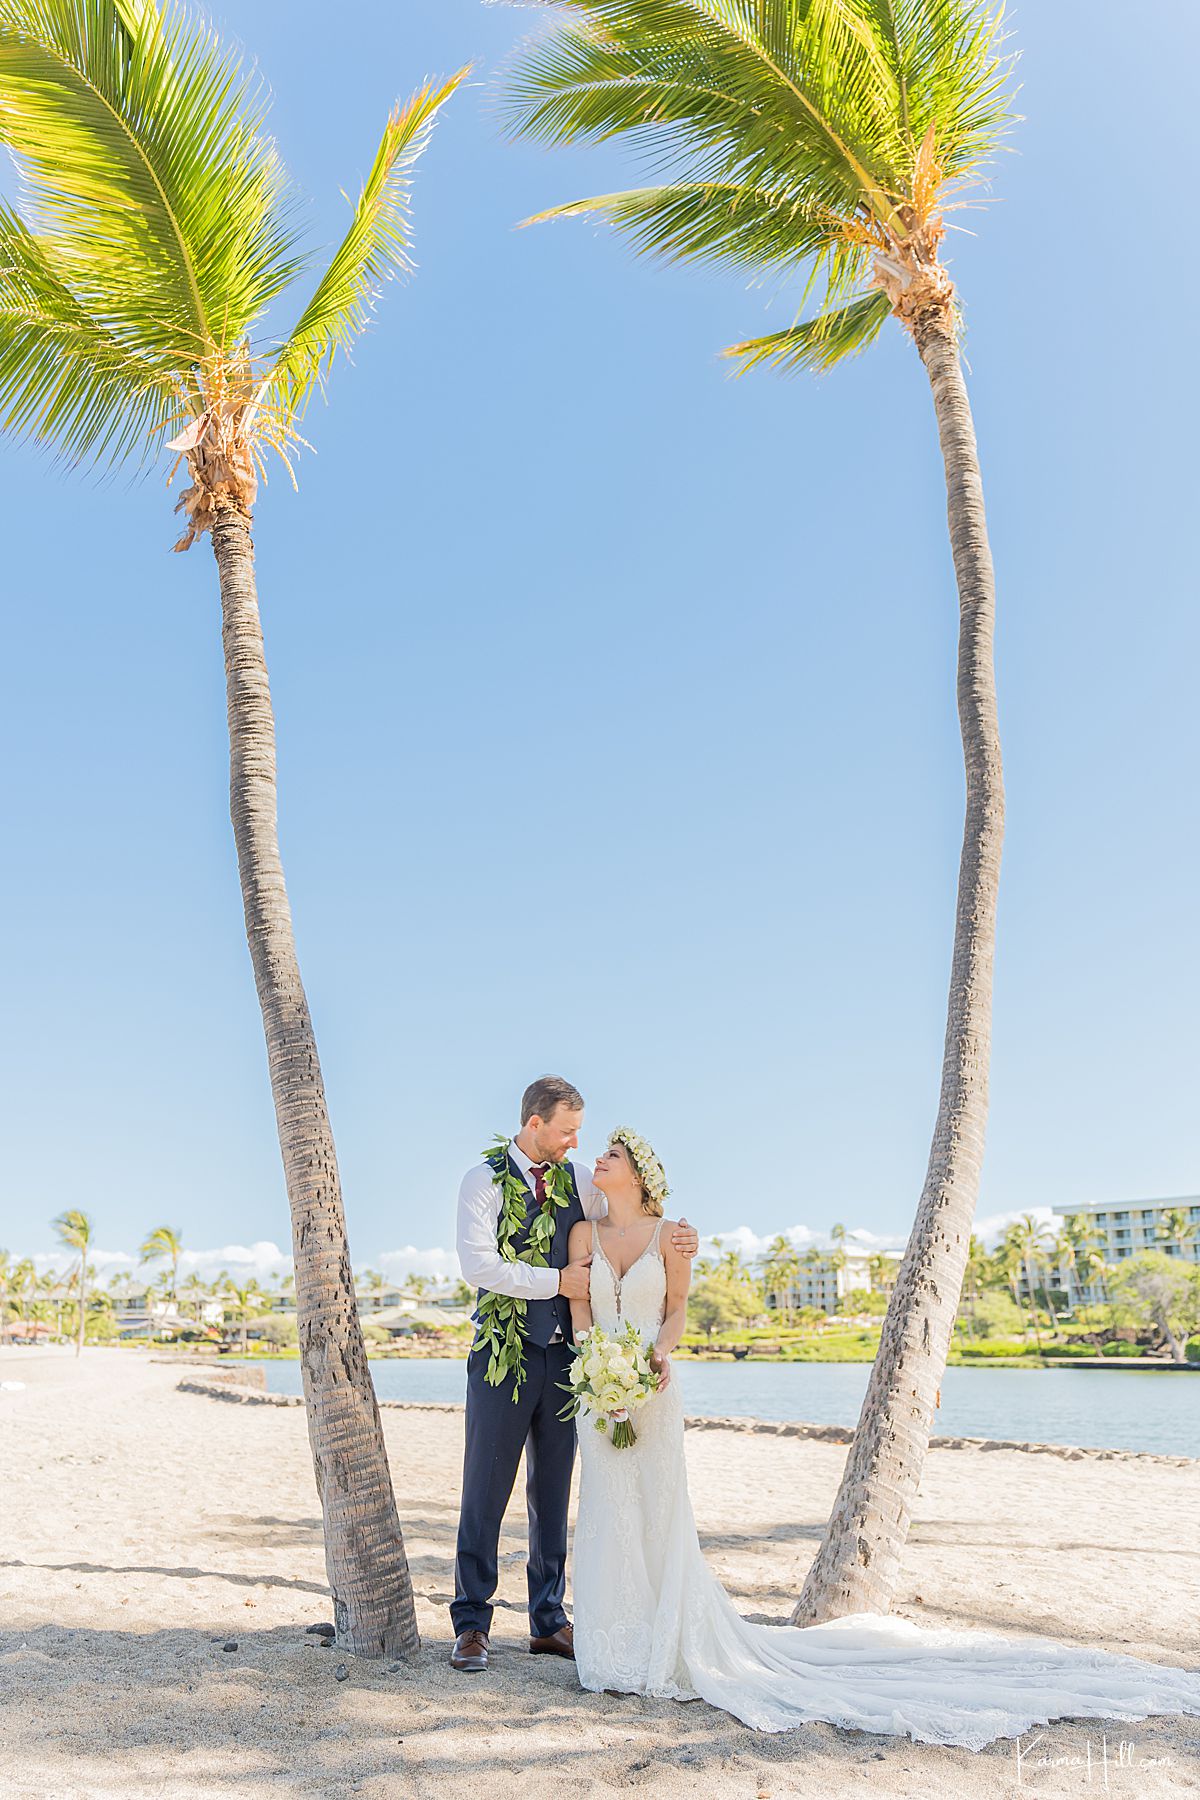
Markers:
point(538, 1171)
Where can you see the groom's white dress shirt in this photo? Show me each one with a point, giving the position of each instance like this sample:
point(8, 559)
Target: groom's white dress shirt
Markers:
point(478, 1215)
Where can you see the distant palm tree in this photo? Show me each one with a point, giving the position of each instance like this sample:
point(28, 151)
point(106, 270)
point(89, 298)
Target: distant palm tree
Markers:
point(371, 1281)
point(977, 1259)
point(195, 1291)
point(1031, 1238)
point(1178, 1228)
point(6, 1268)
point(160, 227)
point(826, 143)
point(879, 1271)
point(164, 1242)
point(74, 1230)
point(780, 1267)
point(1066, 1252)
point(1009, 1262)
point(54, 1286)
point(242, 1303)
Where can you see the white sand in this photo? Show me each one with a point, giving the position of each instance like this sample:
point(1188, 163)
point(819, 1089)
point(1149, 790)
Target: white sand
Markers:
point(142, 1527)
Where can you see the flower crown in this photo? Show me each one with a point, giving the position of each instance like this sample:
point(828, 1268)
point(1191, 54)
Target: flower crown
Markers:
point(650, 1170)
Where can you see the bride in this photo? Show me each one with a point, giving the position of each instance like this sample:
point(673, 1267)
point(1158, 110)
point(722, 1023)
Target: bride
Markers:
point(652, 1618)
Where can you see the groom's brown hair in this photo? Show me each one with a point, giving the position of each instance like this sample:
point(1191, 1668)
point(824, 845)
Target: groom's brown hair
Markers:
point(543, 1095)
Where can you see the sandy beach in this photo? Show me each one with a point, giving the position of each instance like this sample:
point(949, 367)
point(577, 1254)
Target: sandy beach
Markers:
point(144, 1528)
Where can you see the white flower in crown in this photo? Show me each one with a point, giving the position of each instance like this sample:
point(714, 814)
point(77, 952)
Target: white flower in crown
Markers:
point(653, 1176)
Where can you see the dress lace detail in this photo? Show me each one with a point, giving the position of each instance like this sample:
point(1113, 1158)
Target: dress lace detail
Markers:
point(652, 1618)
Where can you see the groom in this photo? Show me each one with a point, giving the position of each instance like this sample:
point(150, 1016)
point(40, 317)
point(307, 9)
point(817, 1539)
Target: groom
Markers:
point(520, 1193)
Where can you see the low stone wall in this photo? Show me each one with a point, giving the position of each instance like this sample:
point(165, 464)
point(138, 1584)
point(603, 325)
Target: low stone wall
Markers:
point(832, 1434)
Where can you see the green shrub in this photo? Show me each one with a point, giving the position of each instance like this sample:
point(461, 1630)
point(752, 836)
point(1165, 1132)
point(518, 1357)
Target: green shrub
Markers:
point(1192, 1349)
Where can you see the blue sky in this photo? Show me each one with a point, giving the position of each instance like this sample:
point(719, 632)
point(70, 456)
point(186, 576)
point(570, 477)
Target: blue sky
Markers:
point(616, 710)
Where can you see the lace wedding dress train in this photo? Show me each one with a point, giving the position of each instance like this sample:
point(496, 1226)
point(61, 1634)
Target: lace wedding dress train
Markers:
point(652, 1618)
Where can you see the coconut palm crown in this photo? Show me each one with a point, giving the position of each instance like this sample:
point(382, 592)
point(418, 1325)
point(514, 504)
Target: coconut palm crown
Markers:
point(818, 138)
point(157, 226)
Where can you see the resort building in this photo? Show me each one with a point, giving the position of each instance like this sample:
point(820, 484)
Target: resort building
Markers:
point(1124, 1229)
point(829, 1288)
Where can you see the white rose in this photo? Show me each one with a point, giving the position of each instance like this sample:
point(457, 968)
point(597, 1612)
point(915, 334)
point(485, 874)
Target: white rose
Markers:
point(611, 1398)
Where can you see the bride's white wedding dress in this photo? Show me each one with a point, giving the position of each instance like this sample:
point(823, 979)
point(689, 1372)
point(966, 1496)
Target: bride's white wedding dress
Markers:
point(652, 1618)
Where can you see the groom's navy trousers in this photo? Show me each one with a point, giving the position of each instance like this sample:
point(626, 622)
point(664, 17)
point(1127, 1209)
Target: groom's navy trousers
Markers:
point(497, 1432)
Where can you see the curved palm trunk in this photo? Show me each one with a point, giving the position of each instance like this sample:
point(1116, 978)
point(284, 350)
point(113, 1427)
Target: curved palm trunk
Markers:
point(364, 1550)
point(858, 1563)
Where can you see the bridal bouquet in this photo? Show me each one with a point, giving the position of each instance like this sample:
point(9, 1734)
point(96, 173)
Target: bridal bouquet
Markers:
point(611, 1377)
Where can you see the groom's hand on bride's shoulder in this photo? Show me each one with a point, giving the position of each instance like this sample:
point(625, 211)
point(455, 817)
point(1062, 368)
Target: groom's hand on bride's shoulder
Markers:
point(575, 1280)
point(685, 1239)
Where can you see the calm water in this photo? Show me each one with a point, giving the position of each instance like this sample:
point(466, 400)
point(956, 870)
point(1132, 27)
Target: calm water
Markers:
point(1118, 1409)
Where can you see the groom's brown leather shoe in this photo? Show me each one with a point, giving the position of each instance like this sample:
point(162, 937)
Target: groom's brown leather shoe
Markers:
point(470, 1652)
point(560, 1643)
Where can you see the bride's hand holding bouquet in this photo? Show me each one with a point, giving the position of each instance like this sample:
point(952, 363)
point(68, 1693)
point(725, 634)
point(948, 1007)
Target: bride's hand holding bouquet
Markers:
point(612, 1378)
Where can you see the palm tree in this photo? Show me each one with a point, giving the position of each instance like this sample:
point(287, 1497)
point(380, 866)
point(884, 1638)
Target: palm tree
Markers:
point(195, 1291)
point(54, 1286)
point(1063, 1252)
point(372, 1282)
point(74, 1230)
point(1178, 1228)
point(879, 1273)
point(160, 229)
point(243, 1303)
point(6, 1269)
point(1030, 1237)
point(780, 1267)
point(974, 1274)
point(164, 1242)
point(831, 138)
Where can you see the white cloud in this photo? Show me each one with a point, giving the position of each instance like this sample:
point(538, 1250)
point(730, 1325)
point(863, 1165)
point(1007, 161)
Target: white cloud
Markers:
point(992, 1229)
point(442, 1264)
point(750, 1245)
point(104, 1261)
point(260, 1260)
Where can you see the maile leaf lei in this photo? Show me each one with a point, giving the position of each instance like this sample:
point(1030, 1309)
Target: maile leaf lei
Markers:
point(502, 1316)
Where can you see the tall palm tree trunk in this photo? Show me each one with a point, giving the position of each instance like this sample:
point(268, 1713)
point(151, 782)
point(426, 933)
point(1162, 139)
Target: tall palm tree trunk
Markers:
point(364, 1550)
point(858, 1563)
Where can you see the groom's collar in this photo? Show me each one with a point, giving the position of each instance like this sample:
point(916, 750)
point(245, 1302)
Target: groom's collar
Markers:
point(523, 1162)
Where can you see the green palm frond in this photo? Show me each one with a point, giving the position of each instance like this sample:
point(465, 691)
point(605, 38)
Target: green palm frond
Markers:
point(143, 156)
point(816, 344)
point(155, 228)
point(74, 1229)
point(791, 132)
point(63, 377)
point(376, 246)
point(709, 220)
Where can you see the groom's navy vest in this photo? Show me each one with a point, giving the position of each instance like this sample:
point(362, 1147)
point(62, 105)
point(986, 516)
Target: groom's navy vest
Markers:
point(543, 1316)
